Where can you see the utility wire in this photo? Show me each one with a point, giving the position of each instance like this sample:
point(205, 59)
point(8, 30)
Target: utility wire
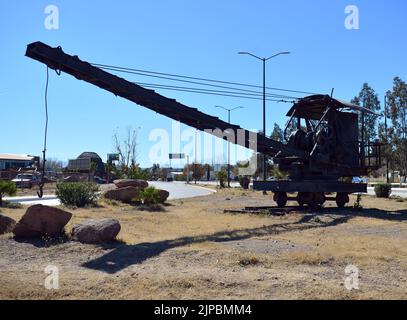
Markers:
point(259, 94)
point(213, 93)
point(194, 82)
point(123, 69)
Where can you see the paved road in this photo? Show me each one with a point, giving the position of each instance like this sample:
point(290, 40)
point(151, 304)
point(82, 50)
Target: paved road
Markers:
point(49, 200)
point(180, 190)
point(399, 192)
point(177, 190)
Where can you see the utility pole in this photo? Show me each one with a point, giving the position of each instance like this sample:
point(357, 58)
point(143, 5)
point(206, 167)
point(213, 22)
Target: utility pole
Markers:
point(229, 110)
point(187, 169)
point(264, 98)
point(196, 132)
point(387, 139)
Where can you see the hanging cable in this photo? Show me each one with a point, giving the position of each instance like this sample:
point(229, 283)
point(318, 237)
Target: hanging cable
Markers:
point(200, 90)
point(196, 83)
point(191, 90)
point(122, 69)
point(40, 193)
point(185, 81)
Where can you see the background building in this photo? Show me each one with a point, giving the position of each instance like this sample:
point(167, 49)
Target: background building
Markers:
point(83, 163)
point(16, 161)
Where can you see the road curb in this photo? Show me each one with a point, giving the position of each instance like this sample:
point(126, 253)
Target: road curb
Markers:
point(205, 188)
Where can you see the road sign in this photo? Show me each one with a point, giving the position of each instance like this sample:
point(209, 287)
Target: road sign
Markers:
point(177, 155)
point(113, 157)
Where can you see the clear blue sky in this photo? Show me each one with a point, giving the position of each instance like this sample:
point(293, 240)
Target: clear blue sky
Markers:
point(198, 38)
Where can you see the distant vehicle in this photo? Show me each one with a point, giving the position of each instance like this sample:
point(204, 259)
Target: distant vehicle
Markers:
point(26, 180)
point(359, 180)
point(100, 180)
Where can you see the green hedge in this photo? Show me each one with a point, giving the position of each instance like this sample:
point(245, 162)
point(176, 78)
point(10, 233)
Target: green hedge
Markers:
point(382, 190)
point(77, 194)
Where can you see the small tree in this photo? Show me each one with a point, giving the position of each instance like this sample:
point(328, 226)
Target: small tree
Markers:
point(198, 170)
point(126, 148)
point(278, 133)
point(368, 98)
point(7, 187)
point(221, 175)
point(135, 172)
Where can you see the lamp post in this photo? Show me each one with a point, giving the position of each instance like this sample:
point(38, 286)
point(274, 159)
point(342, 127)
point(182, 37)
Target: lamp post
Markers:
point(229, 110)
point(196, 146)
point(264, 97)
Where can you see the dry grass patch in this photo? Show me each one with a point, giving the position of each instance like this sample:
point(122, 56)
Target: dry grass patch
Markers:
point(194, 250)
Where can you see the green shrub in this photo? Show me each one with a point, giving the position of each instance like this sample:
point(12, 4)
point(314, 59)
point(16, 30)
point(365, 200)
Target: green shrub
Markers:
point(7, 187)
point(382, 190)
point(77, 194)
point(149, 196)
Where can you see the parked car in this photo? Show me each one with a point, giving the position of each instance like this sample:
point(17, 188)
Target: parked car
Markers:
point(26, 180)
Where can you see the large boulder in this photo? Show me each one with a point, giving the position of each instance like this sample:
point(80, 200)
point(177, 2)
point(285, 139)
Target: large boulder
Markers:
point(122, 183)
point(163, 195)
point(96, 230)
point(125, 194)
point(40, 220)
point(6, 224)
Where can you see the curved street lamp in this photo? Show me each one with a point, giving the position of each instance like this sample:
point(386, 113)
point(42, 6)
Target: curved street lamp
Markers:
point(264, 97)
point(229, 110)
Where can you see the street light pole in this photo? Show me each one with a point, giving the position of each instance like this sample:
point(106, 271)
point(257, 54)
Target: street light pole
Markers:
point(264, 117)
point(387, 139)
point(229, 110)
point(264, 98)
point(229, 153)
point(196, 145)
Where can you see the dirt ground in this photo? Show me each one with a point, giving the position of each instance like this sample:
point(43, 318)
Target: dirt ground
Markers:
point(192, 249)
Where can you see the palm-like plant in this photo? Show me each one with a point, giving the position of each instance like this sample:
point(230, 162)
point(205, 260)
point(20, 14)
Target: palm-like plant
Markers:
point(7, 187)
point(221, 175)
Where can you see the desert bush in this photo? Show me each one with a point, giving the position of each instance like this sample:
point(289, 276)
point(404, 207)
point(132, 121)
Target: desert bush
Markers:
point(149, 196)
point(77, 194)
point(382, 190)
point(7, 187)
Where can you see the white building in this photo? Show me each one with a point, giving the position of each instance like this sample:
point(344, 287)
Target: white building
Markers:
point(16, 161)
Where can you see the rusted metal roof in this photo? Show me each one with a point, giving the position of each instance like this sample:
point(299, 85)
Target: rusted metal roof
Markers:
point(16, 157)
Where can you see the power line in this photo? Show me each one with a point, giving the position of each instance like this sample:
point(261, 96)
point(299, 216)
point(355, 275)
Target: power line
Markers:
point(145, 72)
point(191, 82)
point(210, 93)
point(259, 94)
